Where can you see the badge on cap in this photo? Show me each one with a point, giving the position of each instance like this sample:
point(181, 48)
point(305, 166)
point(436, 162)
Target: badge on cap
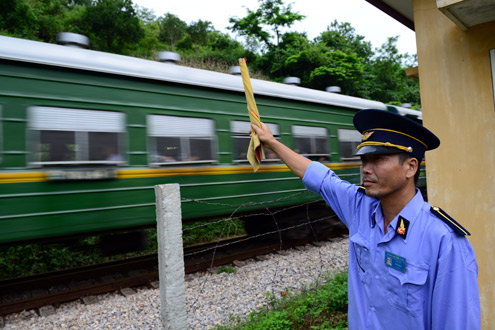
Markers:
point(392, 133)
point(366, 135)
point(402, 228)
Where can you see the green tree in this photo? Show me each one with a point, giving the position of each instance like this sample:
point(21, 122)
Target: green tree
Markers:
point(50, 16)
point(320, 67)
point(74, 19)
point(343, 37)
point(145, 15)
point(222, 47)
point(30, 19)
point(84, 3)
point(336, 57)
point(199, 31)
point(267, 20)
point(387, 73)
point(195, 36)
point(172, 29)
point(339, 56)
point(18, 18)
point(151, 29)
point(112, 26)
point(275, 63)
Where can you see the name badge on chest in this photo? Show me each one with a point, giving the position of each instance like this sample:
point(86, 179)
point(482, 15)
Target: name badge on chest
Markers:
point(396, 262)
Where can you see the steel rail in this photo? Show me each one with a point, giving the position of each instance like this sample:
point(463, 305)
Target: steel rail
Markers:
point(135, 272)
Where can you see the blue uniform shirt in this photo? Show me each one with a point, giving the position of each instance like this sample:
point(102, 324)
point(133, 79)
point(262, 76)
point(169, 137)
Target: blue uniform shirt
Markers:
point(425, 278)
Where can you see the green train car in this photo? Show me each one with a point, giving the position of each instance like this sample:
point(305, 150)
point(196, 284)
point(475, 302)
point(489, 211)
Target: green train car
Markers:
point(85, 136)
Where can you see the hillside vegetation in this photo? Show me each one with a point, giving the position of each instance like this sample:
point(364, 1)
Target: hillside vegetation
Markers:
point(337, 57)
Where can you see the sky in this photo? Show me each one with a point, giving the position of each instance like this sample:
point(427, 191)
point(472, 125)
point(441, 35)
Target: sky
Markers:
point(366, 19)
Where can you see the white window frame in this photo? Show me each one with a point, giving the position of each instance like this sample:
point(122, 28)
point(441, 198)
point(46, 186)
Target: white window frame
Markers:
point(80, 122)
point(241, 128)
point(311, 132)
point(348, 135)
point(184, 128)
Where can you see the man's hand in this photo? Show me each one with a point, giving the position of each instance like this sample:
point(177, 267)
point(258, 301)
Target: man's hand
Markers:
point(294, 161)
point(265, 135)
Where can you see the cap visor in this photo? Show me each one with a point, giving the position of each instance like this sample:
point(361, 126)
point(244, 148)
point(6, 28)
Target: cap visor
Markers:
point(374, 150)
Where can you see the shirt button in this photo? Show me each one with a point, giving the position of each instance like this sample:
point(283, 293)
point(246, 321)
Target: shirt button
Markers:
point(377, 277)
point(372, 309)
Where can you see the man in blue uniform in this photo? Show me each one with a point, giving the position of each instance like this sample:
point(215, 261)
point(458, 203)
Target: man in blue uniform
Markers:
point(410, 264)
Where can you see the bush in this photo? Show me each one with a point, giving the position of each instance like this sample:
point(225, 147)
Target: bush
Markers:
point(37, 258)
point(324, 306)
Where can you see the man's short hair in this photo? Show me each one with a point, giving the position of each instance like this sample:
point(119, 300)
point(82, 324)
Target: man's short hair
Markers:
point(403, 156)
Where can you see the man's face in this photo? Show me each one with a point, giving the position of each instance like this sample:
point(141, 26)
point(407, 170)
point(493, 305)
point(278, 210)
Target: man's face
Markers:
point(383, 175)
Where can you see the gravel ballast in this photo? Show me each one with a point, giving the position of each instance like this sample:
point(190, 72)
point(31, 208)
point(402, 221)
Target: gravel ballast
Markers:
point(212, 298)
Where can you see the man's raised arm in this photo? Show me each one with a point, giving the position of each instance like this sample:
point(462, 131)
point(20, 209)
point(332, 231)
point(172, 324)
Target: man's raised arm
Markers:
point(293, 160)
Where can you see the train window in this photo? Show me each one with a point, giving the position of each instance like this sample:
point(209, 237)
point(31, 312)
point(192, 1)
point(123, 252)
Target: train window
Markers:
point(61, 136)
point(175, 140)
point(240, 136)
point(311, 142)
point(349, 139)
point(1, 134)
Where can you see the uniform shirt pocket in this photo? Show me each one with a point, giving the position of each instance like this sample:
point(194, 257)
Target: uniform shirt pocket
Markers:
point(406, 291)
point(362, 255)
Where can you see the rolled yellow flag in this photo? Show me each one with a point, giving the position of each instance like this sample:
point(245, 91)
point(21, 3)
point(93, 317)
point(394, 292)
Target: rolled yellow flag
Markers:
point(255, 151)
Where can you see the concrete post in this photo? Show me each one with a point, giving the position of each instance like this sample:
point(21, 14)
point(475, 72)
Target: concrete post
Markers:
point(171, 257)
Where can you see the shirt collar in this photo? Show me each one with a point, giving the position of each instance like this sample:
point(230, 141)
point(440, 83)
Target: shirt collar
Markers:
point(409, 211)
point(373, 215)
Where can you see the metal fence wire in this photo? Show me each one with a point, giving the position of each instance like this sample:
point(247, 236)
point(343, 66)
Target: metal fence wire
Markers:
point(227, 294)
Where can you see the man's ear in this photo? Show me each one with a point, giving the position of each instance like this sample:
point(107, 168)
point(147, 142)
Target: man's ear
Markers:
point(412, 166)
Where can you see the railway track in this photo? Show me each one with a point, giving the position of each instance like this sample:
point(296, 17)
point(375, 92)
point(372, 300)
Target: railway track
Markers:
point(53, 289)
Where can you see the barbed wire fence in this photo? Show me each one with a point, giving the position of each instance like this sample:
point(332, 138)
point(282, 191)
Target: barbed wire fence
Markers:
point(218, 297)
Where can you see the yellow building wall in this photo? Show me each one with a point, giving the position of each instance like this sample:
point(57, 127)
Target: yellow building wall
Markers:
point(458, 105)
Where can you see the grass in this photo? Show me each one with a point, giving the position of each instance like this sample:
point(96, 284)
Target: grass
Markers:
point(321, 307)
point(228, 270)
point(37, 258)
point(210, 231)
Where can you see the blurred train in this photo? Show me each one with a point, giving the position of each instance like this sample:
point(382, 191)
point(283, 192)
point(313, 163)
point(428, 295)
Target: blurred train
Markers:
point(85, 135)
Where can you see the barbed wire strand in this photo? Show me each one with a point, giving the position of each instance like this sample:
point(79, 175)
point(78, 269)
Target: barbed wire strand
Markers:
point(279, 231)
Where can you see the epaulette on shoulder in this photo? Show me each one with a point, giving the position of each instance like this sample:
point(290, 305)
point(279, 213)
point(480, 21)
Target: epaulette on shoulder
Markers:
point(361, 189)
point(459, 230)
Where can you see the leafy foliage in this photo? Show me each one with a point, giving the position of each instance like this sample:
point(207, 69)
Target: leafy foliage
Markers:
point(37, 258)
point(112, 25)
point(337, 57)
point(38, 20)
point(387, 68)
point(343, 37)
point(270, 15)
point(172, 29)
point(208, 231)
point(25, 260)
point(324, 306)
point(227, 270)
